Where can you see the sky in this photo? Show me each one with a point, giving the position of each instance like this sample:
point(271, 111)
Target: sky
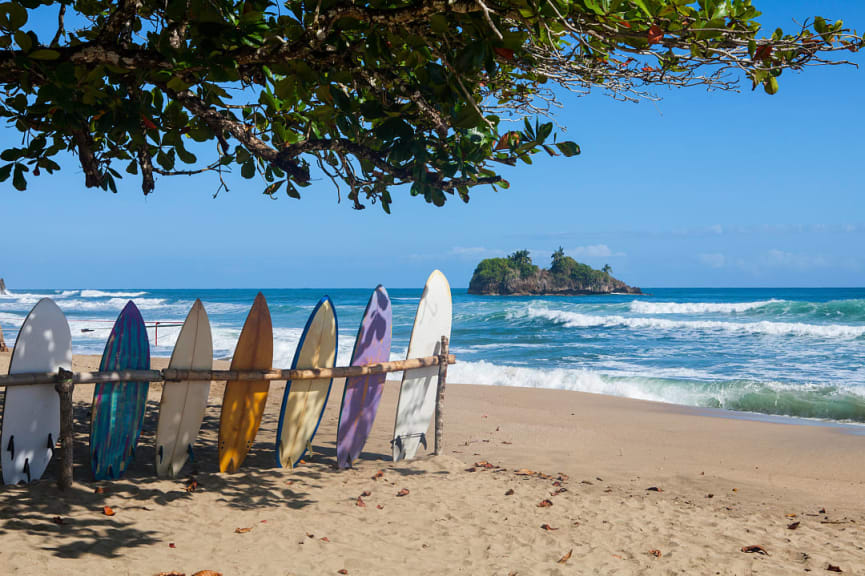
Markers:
point(695, 190)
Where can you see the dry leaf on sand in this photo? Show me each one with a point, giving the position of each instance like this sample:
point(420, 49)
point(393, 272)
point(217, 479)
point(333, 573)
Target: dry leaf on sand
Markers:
point(99, 490)
point(108, 511)
point(545, 503)
point(833, 568)
point(57, 520)
point(172, 573)
point(343, 571)
point(242, 530)
point(207, 573)
point(566, 557)
point(509, 492)
point(378, 475)
point(324, 539)
point(360, 503)
point(654, 489)
point(793, 526)
point(524, 472)
point(547, 527)
point(403, 492)
point(755, 549)
point(193, 484)
point(655, 553)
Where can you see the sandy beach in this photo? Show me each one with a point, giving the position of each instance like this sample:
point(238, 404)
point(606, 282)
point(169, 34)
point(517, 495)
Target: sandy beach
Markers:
point(532, 482)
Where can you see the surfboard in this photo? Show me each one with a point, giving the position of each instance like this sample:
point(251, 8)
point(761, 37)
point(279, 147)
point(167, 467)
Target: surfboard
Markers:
point(361, 395)
point(244, 400)
point(417, 394)
point(181, 409)
point(118, 407)
point(304, 401)
point(31, 414)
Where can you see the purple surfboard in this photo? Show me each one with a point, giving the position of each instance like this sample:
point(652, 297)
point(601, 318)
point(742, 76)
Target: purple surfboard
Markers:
point(361, 394)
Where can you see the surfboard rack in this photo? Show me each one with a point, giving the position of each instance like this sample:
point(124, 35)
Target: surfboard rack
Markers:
point(64, 382)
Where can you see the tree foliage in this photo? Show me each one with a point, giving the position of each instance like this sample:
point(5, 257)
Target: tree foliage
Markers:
point(373, 94)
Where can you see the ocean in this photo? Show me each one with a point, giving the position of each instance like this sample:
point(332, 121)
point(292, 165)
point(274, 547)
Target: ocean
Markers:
point(792, 352)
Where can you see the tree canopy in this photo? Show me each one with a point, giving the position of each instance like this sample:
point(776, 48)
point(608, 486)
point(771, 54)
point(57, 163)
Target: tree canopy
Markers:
point(433, 95)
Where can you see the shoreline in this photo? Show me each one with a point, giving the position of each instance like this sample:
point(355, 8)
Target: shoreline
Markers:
point(723, 484)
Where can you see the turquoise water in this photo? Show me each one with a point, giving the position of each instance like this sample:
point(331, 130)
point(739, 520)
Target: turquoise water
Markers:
point(795, 352)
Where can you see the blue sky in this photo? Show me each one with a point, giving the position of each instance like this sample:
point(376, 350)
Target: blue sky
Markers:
point(699, 189)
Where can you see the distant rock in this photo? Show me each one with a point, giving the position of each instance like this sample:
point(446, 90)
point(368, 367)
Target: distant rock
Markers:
point(516, 275)
point(2, 287)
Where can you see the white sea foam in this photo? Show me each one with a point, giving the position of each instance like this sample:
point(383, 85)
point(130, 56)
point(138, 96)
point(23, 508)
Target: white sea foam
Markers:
point(112, 294)
point(643, 307)
point(577, 320)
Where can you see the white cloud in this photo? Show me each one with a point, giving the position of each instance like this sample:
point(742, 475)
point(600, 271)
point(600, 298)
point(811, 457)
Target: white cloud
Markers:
point(713, 259)
point(593, 251)
point(795, 260)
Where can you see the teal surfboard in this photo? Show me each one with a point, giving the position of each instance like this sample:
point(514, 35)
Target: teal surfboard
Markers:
point(118, 407)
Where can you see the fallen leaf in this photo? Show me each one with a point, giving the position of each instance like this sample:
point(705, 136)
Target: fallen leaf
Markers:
point(558, 491)
point(509, 492)
point(654, 489)
point(172, 545)
point(793, 526)
point(264, 521)
point(755, 549)
point(99, 490)
point(403, 492)
point(108, 511)
point(566, 557)
point(547, 527)
point(57, 520)
point(378, 475)
point(655, 553)
point(308, 535)
point(545, 504)
point(360, 503)
point(822, 511)
point(380, 507)
point(790, 515)
point(557, 483)
point(524, 472)
point(505, 442)
point(192, 486)
point(484, 464)
point(207, 573)
point(833, 568)
point(343, 571)
point(617, 556)
point(366, 493)
point(172, 573)
point(735, 489)
point(324, 539)
point(710, 495)
point(471, 469)
point(590, 483)
point(242, 530)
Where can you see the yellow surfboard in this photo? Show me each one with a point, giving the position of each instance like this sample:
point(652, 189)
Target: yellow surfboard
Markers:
point(244, 401)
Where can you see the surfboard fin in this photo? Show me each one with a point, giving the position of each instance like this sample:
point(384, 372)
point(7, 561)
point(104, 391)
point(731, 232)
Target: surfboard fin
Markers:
point(190, 452)
point(160, 454)
point(397, 442)
point(11, 446)
point(309, 450)
point(423, 440)
point(27, 469)
point(50, 442)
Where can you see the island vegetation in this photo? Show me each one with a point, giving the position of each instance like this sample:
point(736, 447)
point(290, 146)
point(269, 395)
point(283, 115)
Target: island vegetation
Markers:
point(518, 275)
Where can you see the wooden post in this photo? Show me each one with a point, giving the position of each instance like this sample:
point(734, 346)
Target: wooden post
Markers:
point(440, 399)
point(65, 387)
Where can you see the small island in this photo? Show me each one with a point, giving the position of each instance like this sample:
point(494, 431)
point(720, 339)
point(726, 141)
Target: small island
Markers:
point(517, 275)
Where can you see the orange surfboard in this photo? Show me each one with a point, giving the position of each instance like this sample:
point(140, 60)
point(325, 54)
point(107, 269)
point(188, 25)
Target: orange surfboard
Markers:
point(244, 401)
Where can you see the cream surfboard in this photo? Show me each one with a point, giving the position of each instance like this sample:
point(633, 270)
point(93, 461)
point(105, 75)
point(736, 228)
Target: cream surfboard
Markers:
point(182, 407)
point(31, 414)
point(303, 402)
point(417, 394)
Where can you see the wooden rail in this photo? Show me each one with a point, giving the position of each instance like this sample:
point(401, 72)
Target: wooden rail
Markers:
point(64, 382)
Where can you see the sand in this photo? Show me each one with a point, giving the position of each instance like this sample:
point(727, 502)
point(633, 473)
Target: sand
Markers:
point(722, 484)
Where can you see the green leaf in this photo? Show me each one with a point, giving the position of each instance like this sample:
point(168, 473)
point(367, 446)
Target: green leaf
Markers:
point(5, 171)
point(24, 41)
point(248, 169)
point(18, 178)
point(44, 54)
point(568, 149)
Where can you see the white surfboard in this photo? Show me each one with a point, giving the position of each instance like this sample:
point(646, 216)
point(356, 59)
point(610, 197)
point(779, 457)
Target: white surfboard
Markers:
point(417, 395)
point(31, 414)
point(182, 407)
